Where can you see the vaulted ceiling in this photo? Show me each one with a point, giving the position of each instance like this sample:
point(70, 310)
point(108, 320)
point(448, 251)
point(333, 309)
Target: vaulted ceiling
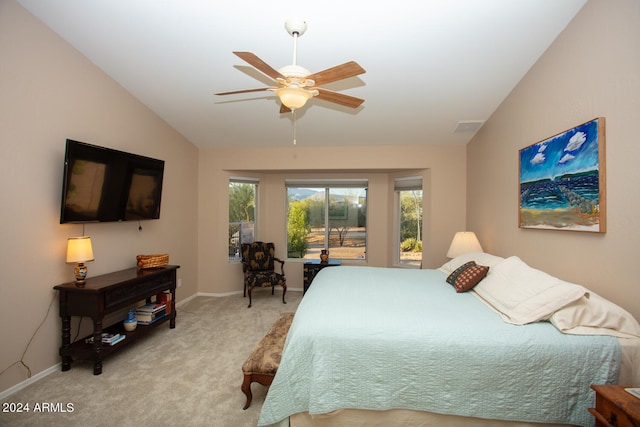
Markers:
point(430, 64)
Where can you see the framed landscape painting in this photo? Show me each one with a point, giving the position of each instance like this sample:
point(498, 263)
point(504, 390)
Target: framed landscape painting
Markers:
point(562, 181)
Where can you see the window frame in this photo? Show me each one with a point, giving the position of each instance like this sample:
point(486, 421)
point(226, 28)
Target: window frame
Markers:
point(327, 185)
point(256, 198)
point(402, 184)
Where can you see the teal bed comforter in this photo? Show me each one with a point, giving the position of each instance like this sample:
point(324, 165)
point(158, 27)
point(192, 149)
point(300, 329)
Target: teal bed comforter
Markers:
point(382, 338)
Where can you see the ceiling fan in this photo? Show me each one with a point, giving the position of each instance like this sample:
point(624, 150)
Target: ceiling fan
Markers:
point(295, 85)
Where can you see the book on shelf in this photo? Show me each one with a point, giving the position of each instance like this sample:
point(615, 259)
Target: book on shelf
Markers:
point(165, 298)
point(151, 307)
point(117, 340)
point(107, 338)
point(145, 320)
point(151, 320)
point(142, 316)
point(149, 312)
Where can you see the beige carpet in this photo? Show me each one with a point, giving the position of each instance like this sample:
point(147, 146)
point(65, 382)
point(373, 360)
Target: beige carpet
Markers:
point(187, 376)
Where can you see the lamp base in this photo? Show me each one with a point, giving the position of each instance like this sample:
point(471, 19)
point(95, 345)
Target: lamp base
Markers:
point(80, 272)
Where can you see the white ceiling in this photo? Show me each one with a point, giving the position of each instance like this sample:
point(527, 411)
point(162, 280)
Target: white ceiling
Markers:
point(430, 63)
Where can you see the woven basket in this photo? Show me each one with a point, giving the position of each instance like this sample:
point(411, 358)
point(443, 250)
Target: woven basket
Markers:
point(152, 261)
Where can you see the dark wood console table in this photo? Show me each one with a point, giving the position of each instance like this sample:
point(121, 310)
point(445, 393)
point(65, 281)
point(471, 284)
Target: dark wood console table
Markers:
point(106, 294)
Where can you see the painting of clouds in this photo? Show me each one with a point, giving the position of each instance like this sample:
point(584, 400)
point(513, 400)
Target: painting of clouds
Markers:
point(562, 181)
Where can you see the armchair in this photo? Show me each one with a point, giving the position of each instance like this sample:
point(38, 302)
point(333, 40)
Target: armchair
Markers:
point(258, 266)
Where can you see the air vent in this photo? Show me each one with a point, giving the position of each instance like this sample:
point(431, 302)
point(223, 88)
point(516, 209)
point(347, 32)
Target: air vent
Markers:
point(468, 126)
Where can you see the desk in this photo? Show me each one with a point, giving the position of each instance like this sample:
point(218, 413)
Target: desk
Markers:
point(106, 294)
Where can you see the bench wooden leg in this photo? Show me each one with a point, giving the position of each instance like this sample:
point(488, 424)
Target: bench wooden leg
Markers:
point(246, 389)
point(264, 379)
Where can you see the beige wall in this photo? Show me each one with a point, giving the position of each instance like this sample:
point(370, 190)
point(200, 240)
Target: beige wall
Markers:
point(592, 70)
point(49, 92)
point(443, 170)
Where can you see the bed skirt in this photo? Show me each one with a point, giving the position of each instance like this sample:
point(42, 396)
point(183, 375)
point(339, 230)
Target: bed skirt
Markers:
point(400, 417)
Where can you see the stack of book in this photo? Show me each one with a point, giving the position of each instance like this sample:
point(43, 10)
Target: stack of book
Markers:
point(149, 313)
point(110, 339)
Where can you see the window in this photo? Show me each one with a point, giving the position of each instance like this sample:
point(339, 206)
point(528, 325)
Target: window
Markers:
point(328, 215)
point(242, 214)
point(409, 200)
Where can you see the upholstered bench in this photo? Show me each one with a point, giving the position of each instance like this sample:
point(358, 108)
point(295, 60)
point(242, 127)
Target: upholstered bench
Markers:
point(262, 364)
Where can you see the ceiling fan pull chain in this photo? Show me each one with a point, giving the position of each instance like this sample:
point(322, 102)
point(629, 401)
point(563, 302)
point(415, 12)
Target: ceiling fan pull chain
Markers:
point(293, 113)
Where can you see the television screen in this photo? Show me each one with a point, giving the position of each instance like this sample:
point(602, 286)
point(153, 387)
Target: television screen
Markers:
point(143, 198)
point(101, 184)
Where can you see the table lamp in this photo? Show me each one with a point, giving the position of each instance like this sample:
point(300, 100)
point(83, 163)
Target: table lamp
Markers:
point(462, 243)
point(79, 250)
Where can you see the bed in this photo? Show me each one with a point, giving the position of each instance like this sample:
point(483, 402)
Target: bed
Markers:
point(380, 345)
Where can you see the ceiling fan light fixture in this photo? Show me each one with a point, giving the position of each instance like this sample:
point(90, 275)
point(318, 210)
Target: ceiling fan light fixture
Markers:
point(293, 97)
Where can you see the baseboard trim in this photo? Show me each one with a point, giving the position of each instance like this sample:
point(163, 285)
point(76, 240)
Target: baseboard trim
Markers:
point(218, 295)
point(227, 294)
point(186, 300)
point(16, 388)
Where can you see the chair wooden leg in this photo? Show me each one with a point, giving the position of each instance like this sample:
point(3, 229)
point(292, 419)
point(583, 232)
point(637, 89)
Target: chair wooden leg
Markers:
point(249, 292)
point(284, 291)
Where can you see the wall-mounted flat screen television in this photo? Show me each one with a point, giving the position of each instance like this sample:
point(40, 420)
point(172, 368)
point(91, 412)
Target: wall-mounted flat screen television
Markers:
point(101, 185)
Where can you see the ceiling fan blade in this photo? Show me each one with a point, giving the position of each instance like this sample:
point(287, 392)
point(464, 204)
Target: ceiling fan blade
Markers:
point(284, 109)
point(339, 72)
point(258, 63)
point(262, 89)
point(338, 98)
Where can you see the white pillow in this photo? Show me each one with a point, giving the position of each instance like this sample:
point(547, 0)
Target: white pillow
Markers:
point(594, 315)
point(481, 258)
point(522, 294)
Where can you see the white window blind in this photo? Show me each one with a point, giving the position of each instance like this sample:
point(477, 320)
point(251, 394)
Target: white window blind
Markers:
point(408, 183)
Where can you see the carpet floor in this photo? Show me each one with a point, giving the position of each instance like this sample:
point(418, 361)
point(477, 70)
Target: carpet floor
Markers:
point(187, 376)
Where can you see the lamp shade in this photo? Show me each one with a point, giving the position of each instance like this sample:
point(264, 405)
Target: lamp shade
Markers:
point(462, 243)
point(79, 249)
point(293, 97)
